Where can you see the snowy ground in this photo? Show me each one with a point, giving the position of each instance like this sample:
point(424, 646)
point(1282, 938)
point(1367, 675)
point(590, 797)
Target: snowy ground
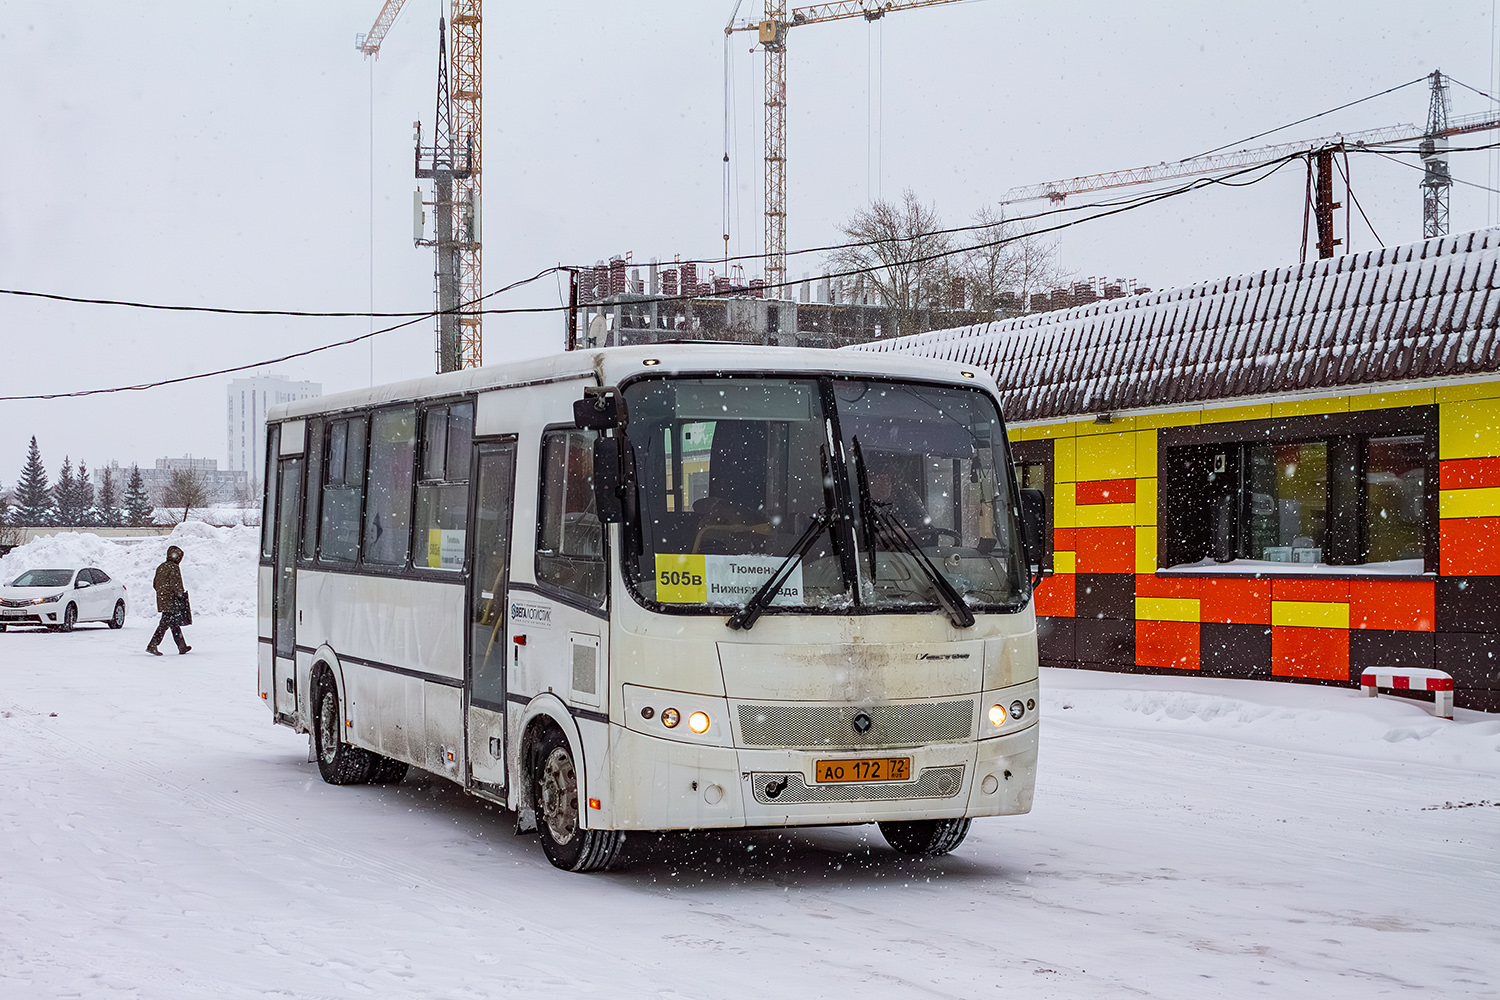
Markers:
point(159, 838)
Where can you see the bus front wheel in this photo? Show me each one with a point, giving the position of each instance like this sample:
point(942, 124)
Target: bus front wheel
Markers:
point(338, 762)
point(554, 796)
point(925, 838)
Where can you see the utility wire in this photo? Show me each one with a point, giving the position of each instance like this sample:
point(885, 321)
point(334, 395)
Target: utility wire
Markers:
point(1455, 180)
point(1201, 182)
point(1476, 90)
point(1300, 121)
point(1343, 171)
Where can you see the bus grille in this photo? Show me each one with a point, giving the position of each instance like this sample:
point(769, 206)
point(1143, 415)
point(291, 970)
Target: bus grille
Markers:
point(837, 727)
point(784, 789)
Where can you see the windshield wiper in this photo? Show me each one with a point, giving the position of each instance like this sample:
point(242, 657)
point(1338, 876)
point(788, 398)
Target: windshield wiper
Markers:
point(877, 519)
point(745, 617)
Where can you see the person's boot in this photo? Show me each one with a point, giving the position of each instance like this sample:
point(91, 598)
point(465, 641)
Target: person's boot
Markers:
point(184, 649)
point(153, 650)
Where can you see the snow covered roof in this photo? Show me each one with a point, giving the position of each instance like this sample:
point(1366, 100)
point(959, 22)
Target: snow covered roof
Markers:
point(1422, 310)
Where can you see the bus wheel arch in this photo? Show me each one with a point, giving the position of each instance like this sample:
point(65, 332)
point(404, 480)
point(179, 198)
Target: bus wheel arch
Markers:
point(339, 762)
point(553, 788)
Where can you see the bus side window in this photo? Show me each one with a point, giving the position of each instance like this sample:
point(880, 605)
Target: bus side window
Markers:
point(343, 476)
point(393, 447)
point(570, 539)
point(268, 502)
point(443, 492)
point(314, 488)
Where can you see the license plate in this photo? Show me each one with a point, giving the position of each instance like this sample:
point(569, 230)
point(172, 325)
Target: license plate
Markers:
point(871, 769)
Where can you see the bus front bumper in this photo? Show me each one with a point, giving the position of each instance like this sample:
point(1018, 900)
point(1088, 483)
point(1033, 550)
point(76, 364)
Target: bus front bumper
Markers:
point(666, 785)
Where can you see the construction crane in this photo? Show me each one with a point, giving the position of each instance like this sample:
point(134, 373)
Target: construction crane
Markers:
point(772, 30)
point(460, 328)
point(1433, 140)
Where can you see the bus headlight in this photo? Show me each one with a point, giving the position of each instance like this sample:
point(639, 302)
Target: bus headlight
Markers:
point(698, 722)
point(670, 717)
point(997, 715)
point(1017, 709)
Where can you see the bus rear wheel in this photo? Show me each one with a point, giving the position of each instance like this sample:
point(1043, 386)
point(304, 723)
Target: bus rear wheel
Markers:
point(925, 838)
point(338, 762)
point(554, 796)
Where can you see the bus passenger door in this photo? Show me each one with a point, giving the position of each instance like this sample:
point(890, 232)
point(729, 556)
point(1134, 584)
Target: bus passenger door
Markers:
point(489, 643)
point(289, 516)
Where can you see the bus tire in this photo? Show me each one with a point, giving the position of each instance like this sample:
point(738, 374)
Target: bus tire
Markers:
point(925, 838)
point(553, 778)
point(338, 762)
point(387, 770)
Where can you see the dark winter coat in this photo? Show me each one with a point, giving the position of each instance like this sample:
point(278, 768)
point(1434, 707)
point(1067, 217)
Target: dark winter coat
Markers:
point(168, 582)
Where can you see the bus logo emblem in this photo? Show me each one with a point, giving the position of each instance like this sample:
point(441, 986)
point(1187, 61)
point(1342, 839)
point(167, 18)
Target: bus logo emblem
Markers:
point(862, 723)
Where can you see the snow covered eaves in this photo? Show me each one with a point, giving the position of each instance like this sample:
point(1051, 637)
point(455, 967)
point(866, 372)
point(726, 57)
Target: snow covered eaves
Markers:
point(1421, 311)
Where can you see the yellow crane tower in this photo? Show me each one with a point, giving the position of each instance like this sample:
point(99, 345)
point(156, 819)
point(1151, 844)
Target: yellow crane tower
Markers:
point(772, 29)
point(465, 44)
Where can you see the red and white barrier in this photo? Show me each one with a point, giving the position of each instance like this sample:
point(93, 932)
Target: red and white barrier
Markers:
point(1412, 679)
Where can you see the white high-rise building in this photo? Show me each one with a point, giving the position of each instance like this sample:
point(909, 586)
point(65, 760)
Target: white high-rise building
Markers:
point(248, 400)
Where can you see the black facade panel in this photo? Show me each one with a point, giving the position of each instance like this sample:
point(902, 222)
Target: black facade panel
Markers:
point(1054, 639)
point(1468, 603)
point(1234, 650)
point(1105, 642)
point(1473, 658)
point(1369, 647)
point(1105, 595)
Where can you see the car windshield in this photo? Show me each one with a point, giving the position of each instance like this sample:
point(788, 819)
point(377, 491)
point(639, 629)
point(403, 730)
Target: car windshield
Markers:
point(44, 578)
point(732, 472)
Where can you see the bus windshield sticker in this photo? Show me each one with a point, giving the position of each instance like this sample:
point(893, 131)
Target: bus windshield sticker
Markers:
point(718, 579)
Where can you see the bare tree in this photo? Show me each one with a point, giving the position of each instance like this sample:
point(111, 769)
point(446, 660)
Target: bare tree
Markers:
point(187, 489)
point(1004, 258)
point(901, 252)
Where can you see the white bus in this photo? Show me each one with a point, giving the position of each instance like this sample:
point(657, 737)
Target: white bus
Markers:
point(666, 587)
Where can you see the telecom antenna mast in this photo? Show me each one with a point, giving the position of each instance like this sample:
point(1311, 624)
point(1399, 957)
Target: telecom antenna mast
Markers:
point(1436, 181)
point(446, 164)
point(465, 133)
point(772, 29)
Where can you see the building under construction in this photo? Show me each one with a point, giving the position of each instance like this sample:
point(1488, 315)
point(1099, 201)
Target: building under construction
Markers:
point(616, 304)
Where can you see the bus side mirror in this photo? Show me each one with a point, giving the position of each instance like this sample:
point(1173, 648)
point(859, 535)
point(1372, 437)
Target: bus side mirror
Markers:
point(1034, 531)
point(602, 408)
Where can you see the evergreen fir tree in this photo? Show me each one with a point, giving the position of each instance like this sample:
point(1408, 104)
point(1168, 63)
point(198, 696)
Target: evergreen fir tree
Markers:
point(4, 505)
point(65, 495)
point(33, 498)
point(109, 504)
point(87, 515)
point(138, 509)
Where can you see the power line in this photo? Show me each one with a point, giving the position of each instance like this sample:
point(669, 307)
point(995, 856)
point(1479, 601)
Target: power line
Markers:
point(1456, 180)
point(1141, 202)
point(1300, 121)
point(1343, 171)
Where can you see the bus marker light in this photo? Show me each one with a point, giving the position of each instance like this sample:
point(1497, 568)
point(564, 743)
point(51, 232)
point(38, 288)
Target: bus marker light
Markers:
point(1017, 709)
point(670, 717)
point(595, 804)
point(698, 722)
point(647, 712)
point(997, 715)
point(262, 696)
point(651, 362)
point(519, 640)
point(450, 754)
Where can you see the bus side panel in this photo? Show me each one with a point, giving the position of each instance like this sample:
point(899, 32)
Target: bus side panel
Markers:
point(443, 749)
point(415, 625)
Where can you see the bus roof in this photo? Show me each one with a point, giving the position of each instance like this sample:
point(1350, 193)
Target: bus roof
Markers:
point(611, 365)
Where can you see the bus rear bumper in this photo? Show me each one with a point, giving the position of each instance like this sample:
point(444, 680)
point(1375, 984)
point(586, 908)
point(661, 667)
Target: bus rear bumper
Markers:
point(666, 785)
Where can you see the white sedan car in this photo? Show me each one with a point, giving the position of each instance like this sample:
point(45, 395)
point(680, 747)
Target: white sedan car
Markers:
point(61, 598)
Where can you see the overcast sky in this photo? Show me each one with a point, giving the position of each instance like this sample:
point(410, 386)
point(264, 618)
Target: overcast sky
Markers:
point(221, 154)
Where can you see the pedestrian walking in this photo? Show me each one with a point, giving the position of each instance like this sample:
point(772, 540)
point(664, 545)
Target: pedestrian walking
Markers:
point(171, 601)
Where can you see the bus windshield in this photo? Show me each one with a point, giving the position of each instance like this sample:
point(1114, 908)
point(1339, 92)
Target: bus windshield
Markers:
point(869, 495)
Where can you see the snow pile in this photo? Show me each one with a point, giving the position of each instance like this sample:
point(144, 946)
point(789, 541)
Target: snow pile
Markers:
point(1294, 717)
point(218, 566)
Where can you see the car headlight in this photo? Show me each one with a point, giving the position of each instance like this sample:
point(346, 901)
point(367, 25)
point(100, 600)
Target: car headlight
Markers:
point(47, 600)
